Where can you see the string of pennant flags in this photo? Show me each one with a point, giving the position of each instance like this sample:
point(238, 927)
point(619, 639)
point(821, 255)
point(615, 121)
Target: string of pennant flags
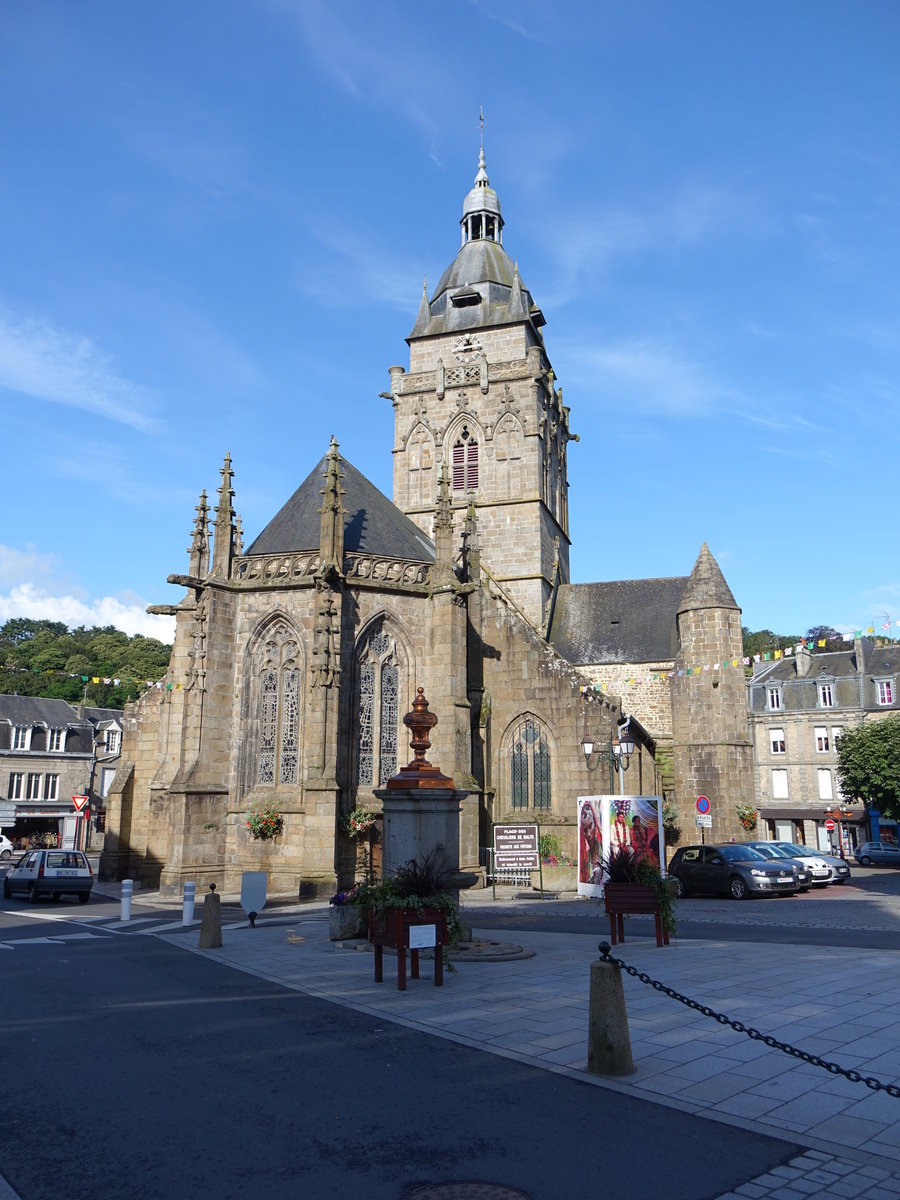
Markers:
point(108, 680)
point(729, 664)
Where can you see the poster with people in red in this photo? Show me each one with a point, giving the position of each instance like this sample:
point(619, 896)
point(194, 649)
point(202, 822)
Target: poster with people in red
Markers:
point(608, 823)
point(590, 846)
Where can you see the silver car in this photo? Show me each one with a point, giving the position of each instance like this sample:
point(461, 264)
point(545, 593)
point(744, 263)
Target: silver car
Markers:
point(840, 868)
point(50, 873)
point(819, 870)
point(879, 854)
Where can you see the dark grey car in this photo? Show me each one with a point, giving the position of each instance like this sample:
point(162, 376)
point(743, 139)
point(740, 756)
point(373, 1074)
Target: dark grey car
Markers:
point(732, 870)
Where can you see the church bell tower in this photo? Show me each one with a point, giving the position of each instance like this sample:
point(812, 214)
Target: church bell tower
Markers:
point(480, 399)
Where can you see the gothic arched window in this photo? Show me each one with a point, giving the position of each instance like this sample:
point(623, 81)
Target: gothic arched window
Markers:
point(529, 766)
point(278, 746)
point(465, 462)
point(378, 709)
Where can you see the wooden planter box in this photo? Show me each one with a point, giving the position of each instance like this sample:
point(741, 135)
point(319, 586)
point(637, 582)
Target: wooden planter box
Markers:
point(632, 898)
point(391, 928)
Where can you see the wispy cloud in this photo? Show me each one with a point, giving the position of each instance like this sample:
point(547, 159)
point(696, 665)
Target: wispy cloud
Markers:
point(371, 273)
point(506, 14)
point(588, 242)
point(30, 601)
point(653, 377)
point(363, 63)
point(46, 363)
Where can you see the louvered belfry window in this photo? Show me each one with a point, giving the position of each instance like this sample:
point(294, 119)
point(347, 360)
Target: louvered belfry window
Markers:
point(465, 463)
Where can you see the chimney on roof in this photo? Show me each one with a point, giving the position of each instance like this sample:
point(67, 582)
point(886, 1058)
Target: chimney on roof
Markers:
point(802, 658)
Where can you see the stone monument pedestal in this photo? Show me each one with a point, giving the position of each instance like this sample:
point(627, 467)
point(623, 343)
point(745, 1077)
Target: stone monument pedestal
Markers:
point(419, 822)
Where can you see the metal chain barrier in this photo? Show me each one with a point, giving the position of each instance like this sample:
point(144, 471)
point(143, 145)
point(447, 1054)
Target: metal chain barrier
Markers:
point(876, 1085)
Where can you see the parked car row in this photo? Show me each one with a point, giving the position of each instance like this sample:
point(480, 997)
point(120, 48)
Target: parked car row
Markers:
point(741, 870)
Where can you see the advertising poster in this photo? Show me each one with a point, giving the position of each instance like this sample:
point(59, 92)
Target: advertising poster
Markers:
point(590, 845)
point(633, 823)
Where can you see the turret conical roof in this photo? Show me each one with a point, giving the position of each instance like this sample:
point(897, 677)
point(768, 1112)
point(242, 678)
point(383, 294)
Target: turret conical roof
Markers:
point(706, 587)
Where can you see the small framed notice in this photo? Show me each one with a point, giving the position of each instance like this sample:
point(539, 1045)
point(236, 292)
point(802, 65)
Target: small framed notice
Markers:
point(421, 936)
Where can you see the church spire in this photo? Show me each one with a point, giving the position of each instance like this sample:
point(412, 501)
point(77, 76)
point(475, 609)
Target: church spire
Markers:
point(331, 528)
point(423, 316)
point(706, 587)
point(223, 544)
point(481, 217)
point(199, 547)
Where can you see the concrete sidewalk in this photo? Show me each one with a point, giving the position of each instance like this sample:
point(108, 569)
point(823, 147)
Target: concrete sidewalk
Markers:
point(840, 1004)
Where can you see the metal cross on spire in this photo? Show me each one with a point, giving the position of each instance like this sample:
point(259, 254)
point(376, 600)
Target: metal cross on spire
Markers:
point(481, 123)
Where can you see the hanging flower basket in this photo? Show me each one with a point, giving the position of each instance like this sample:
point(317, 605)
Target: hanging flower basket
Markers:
point(360, 824)
point(746, 814)
point(265, 824)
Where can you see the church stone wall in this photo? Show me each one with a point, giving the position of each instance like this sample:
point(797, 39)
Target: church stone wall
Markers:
point(650, 701)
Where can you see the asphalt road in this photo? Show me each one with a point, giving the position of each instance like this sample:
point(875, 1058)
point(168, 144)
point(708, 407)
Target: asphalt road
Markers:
point(136, 1071)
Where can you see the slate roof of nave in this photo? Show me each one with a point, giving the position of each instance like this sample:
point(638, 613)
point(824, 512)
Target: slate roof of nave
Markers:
point(372, 523)
point(622, 621)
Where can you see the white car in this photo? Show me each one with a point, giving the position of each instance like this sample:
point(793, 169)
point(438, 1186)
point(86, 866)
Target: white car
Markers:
point(819, 870)
point(50, 873)
point(840, 868)
point(6, 848)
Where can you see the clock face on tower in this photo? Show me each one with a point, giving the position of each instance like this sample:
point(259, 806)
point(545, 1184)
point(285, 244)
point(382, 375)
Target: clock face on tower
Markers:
point(466, 347)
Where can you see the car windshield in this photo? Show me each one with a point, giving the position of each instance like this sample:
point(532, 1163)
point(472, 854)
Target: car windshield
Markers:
point(767, 851)
point(741, 854)
point(794, 851)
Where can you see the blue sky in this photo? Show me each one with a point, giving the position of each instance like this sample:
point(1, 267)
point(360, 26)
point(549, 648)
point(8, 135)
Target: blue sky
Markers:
point(216, 219)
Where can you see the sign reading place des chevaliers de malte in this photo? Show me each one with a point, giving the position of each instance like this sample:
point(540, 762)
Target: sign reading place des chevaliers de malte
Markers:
point(516, 847)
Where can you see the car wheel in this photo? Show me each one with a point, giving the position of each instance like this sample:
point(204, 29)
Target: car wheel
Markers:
point(6, 854)
point(738, 888)
point(680, 889)
point(32, 894)
point(7, 890)
point(865, 861)
point(83, 897)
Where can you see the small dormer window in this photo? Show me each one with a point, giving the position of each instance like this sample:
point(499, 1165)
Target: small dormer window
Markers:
point(826, 695)
point(55, 740)
point(774, 697)
point(884, 690)
point(21, 737)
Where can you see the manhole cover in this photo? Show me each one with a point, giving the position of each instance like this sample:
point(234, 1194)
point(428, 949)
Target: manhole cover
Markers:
point(466, 1191)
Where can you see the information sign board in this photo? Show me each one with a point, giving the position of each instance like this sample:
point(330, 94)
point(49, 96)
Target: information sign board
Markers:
point(704, 820)
point(516, 847)
point(421, 936)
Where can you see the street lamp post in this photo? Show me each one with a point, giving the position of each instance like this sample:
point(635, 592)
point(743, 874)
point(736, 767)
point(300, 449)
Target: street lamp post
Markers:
point(617, 755)
point(837, 813)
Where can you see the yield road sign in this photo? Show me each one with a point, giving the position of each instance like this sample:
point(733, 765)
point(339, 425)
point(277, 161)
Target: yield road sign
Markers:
point(80, 802)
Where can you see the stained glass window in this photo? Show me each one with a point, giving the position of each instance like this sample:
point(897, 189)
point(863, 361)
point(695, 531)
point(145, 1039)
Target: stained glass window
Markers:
point(378, 709)
point(530, 767)
point(278, 748)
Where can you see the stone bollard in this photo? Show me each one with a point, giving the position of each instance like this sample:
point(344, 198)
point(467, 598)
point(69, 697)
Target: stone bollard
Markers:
point(609, 1042)
point(125, 902)
point(211, 923)
point(187, 911)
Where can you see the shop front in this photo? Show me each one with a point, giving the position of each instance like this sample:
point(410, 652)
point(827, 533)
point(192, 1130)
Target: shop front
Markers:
point(46, 823)
point(829, 830)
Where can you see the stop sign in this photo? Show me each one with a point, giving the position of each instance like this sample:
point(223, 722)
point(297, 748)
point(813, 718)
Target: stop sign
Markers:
point(829, 824)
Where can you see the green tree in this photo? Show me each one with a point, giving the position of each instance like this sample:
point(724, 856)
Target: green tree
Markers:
point(869, 764)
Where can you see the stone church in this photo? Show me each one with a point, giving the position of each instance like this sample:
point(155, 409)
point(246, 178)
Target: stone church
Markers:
point(296, 658)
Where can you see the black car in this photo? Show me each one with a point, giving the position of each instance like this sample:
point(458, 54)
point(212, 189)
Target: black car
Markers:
point(732, 870)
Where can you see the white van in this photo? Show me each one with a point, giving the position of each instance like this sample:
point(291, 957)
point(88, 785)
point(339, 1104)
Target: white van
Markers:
point(50, 873)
